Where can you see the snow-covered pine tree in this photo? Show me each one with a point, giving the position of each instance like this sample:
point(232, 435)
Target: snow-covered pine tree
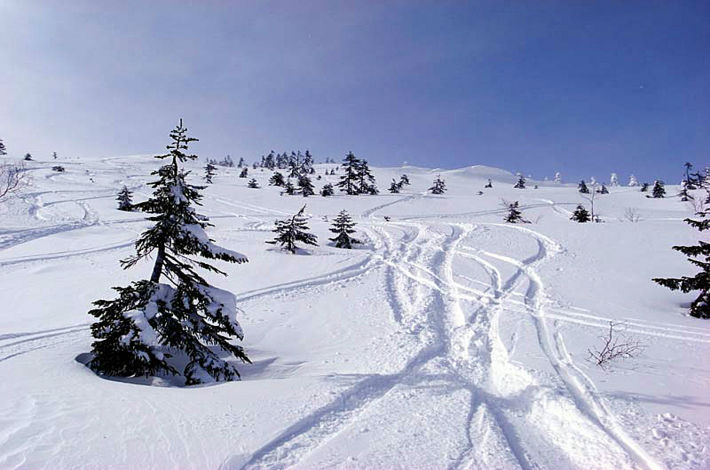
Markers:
point(305, 186)
point(3, 149)
point(439, 186)
point(602, 189)
point(289, 188)
point(644, 187)
point(125, 199)
point(489, 184)
point(293, 230)
point(277, 179)
point(349, 180)
point(514, 214)
point(240, 163)
point(343, 227)
point(633, 181)
point(684, 194)
point(689, 179)
point(152, 327)
point(659, 189)
point(394, 187)
point(582, 187)
point(327, 190)
point(54, 155)
point(209, 172)
point(366, 181)
point(520, 184)
point(252, 184)
point(614, 180)
point(558, 178)
point(700, 307)
point(28, 157)
point(244, 173)
point(581, 214)
point(404, 180)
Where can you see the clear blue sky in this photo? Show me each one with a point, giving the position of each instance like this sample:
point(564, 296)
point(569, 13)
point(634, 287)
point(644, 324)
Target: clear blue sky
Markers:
point(583, 87)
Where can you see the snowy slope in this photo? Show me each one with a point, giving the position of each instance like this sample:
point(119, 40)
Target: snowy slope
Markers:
point(448, 340)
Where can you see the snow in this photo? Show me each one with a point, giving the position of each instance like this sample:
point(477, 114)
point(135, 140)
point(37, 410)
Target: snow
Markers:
point(448, 339)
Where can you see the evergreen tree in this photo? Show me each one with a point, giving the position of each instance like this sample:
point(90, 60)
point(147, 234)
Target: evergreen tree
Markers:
point(125, 199)
point(349, 180)
point(439, 186)
point(403, 180)
point(58, 168)
point(684, 194)
point(305, 186)
point(277, 179)
point(581, 214)
point(240, 163)
point(366, 181)
point(514, 214)
point(489, 184)
point(603, 190)
point(521, 183)
point(614, 179)
point(253, 184)
point(293, 230)
point(327, 190)
point(633, 181)
point(54, 155)
point(394, 187)
point(244, 173)
point(582, 187)
point(659, 189)
point(700, 307)
point(209, 172)
point(343, 228)
point(644, 187)
point(155, 328)
point(28, 157)
point(690, 181)
point(3, 149)
point(289, 187)
point(558, 178)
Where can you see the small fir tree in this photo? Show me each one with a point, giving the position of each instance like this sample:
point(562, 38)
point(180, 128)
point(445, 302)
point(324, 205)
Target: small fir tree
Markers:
point(614, 179)
point(293, 230)
point(581, 214)
point(327, 190)
point(349, 180)
point(289, 188)
point(125, 199)
point(54, 155)
point(305, 186)
point(252, 184)
point(689, 179)
point(209, 172)
point(684, 194)
point(244, 173)
point(489, 184)
point(520, 184)
point(343, 228)
point(366, 181)
point(394, 187)
point(439, 186)
point(514, 214)
point(558, 178)
point(156, 328)
point(277, 179)
point(699, 255)
point(3, 149)
point(633, 181)
point(644, 187)
point(582, 187)
point(603, 190)
point(404, 180)
point(28, 157)
point(659, 189)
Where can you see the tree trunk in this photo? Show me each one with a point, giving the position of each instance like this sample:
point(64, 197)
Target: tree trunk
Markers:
point(158, 267)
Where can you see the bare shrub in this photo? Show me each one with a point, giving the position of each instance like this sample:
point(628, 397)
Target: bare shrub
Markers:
point(615, 347)
point(12, 179)
point(631, 214)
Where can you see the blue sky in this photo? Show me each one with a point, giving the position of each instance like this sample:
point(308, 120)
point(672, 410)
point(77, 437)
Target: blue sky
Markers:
point(581, 87)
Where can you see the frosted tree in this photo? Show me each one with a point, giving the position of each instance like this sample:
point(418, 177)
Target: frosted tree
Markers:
point(603, 189)
point(253, 184)
point(520, 184)
point(633, 181)
point(125, 199)
point(277, 179)
point(349, 180)
point(3, 149)
point(404, 180)
point(514, 214)
point(289, 188)
point(684, 194)
point(698, 255)
point(489, 184)
point(659, 189)
point(327, 190)
point(305, 186)
point(343, 228)
point(366, 181)
point(558, 178)
point(54, 155)
point(580, 214)
point(644, 187)
point(293, 230)
point(209, 172)
point(394, 187)
point(185, 323)
point(28, 157)
point(582, 187)
point(244, 173)
point(614, 180)
point(690, 181)
point(439, 186)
